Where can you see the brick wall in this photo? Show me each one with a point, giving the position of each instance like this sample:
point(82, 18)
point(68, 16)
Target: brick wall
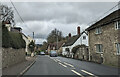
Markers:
point(12, 56)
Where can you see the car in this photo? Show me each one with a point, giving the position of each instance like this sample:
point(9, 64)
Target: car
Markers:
point(42, 53)
point(53, 54)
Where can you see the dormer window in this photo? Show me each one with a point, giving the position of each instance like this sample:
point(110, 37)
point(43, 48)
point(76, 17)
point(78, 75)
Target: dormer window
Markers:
point(98, 30)
point(117, 25)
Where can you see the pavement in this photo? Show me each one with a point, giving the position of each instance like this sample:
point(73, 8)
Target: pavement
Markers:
point(57, 66)
point(18, 69)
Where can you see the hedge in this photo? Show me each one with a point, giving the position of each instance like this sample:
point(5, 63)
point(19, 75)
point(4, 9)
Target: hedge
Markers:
point(12, 39)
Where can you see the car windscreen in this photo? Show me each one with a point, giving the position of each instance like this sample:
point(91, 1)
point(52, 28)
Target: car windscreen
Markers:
point(42, 52)
point(53, 52)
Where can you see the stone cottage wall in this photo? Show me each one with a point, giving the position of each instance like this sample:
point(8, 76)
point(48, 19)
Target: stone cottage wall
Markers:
point(107, 38)
point(12, 56)
point(82, 53)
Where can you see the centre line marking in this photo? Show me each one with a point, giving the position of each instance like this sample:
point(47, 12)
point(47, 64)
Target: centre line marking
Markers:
point(62, 64)
point(54, 60)
point(68, 64)
point(76, 73)
point(58, 60)
point(87, 72)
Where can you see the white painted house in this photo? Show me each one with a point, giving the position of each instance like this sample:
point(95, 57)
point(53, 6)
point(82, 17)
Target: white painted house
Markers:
point(79, 39)
point(27, 39)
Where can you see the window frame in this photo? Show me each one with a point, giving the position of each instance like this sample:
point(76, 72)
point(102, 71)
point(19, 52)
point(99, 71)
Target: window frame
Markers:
point(99, 49)
point(117, 25)
point(84, 37)
point(98, 30)
point(117, 46)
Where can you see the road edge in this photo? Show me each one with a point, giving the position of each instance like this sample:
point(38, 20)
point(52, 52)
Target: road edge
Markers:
point(27, 68)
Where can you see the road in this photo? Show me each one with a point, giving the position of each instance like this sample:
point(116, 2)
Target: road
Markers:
point(46, 65)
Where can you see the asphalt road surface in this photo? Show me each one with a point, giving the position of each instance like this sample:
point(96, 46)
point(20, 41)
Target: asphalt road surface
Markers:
point(46, 65)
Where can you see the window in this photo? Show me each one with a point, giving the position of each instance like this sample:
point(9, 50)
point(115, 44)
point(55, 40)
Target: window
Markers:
point(84, 37)
point(118, 48)
point(98, 30)
point(117, 25)
point(99, 48)
point(67, 49)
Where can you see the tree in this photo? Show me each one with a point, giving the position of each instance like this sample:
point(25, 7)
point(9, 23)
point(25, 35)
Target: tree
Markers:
point(31, 46)
point(52, 37)
point(6, 14)
point(44, 46)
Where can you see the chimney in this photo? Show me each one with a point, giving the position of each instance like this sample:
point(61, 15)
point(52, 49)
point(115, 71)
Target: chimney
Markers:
point(78, 30)
point(69, 35)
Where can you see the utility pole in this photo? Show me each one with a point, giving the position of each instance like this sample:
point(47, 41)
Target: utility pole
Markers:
point(33, 35)
point(57, 42)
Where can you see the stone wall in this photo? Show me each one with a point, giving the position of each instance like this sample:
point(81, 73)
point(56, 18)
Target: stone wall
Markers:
point(12, 56)
point(107, 38)
point(82, 53)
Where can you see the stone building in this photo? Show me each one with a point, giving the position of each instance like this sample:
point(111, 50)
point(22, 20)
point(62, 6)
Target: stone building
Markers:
point(82, 53)
point(104, 39)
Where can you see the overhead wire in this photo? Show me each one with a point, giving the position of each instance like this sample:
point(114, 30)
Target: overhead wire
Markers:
point(90, 23)
point(20, 16)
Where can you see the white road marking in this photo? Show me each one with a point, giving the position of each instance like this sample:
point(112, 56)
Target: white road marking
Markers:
point(58, 60)
point(76, 73)
point(87, 72)
point(68, 64)
point(54, 60)
point(62, 64)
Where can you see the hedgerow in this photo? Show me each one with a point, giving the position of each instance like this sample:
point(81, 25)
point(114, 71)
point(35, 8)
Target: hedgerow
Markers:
point(12, 39)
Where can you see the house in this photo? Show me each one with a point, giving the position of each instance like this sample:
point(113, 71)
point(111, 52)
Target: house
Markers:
point(104, 39)
point(7, 25)
point(81, 52)
point(27, 39)
point(16, 29)
point(56, 47)
point(80, 38)
point(12, 29)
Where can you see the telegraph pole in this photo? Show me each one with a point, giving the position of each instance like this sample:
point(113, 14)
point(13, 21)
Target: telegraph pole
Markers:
point(33, 35)
point(57, 41)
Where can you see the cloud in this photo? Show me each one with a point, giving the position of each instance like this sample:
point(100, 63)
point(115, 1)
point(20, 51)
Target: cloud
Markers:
point(42, 17)
point(75, 12)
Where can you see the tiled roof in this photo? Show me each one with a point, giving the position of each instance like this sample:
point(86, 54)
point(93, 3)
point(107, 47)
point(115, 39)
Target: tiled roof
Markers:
point(60, 43)
point(73, 39)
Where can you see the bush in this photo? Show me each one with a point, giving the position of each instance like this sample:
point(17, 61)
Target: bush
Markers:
point(11, 39)
point(5, 37)
point(31, 46)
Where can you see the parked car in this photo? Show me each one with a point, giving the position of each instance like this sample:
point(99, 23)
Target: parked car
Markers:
point(42, 53)
point(53, 54)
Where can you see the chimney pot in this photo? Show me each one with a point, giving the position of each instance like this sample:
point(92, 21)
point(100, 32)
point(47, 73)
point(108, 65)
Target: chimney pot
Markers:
point(69, 35)
point(78, 30)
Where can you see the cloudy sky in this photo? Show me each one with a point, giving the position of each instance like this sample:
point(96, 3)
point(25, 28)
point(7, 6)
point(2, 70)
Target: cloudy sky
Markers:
point(42, 17)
